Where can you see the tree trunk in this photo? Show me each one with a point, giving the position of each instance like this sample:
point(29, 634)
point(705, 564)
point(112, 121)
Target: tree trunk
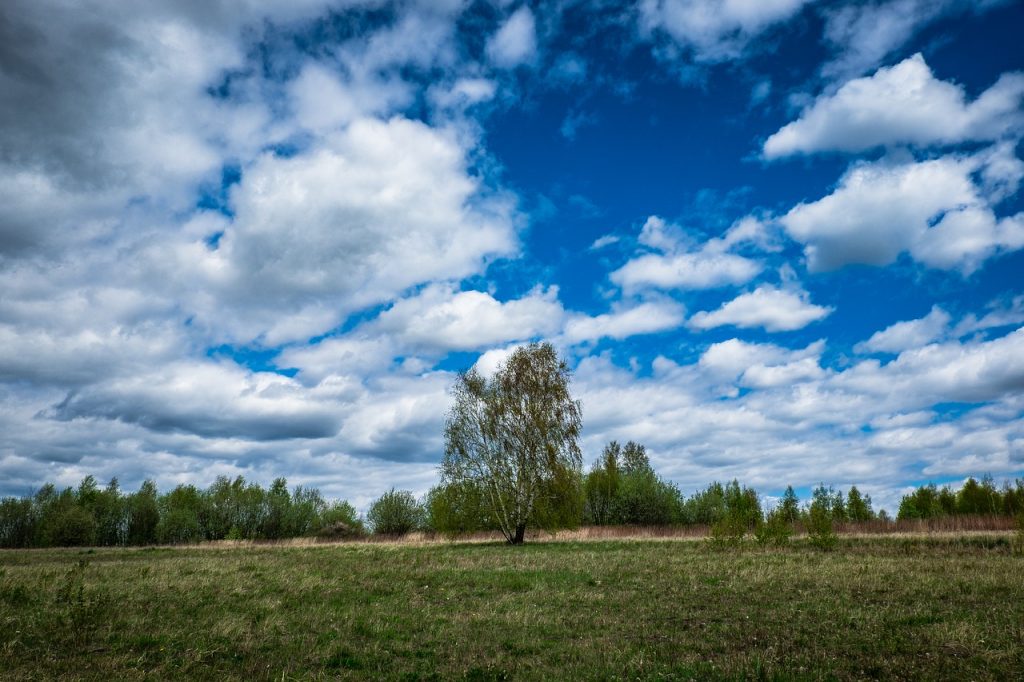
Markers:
point(520, 534)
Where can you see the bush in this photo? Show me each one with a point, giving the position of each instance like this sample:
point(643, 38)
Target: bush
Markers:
point(774, 530)
point(396, 512)
point(728, 532)
point(72, 527)
point(643, 499)
point(340, 522)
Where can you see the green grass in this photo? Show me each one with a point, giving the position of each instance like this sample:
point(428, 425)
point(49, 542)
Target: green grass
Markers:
point(890, 608)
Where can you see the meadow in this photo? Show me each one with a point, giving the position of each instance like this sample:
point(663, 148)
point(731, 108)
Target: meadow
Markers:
point(941, 606)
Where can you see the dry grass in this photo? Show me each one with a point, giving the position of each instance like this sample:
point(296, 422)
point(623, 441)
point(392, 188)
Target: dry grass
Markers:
point(947, 527)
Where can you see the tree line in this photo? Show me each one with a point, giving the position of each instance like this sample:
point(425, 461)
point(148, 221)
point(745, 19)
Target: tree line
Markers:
point(973, 498)
point(511, 461)
point(229, 509)
point(620, 489)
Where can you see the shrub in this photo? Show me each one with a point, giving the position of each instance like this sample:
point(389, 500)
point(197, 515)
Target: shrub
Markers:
point(775, 529)
point(72, 527)
point(396, 512)
point(728, 532)
point(340, 522)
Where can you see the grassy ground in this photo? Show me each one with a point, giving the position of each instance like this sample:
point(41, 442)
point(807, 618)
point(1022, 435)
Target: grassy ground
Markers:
point(879, 607)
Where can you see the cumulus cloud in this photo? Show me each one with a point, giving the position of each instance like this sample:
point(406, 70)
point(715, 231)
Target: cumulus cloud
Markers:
point(644, 318)
point(443, 319)
point(718, 30)
point(206, 399)
point(377, 207)
point(676, 266)
point(515, 42)
point(767, 306)
point(902, 336)
point(795, 417)
point(936, 210)
point(902, 104)
point(971, 372)
point(322, 101)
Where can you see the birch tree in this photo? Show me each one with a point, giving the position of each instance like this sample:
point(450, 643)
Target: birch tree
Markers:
point(516, 436)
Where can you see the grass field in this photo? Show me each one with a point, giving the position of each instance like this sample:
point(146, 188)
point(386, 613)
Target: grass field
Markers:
point(918, 607)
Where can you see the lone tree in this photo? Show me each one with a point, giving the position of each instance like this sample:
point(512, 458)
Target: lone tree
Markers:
point(515, 436)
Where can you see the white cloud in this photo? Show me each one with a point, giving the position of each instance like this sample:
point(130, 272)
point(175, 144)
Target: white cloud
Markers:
point(206, 399)
point(864, 34)
point(678, 267)
point(322, 101)
point(625, 321)
point(685, 271)
point(442, 318)
point(902, 104)
point(464, 92)
point(715, 30)
point(761, 365)
point(489, 361)
point(515, 42)
point(769, 307)
point(932, 209)
point(1001, 314)
point(799, 423)
point(603, 241)
point(902, 336)
point(970, 372)
point(374, 209)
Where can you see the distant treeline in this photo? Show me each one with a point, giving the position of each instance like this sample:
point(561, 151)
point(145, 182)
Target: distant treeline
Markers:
point(228, 509)
point(620, 489)
point(974, 498)
point(623, 489)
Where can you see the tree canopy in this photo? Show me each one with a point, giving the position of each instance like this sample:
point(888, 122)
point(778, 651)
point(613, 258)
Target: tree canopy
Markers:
point(515, 436)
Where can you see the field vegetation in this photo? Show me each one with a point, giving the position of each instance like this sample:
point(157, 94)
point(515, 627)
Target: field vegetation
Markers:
point(948, 606)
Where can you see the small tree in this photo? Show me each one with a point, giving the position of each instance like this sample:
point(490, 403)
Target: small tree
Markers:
point(858, 507)
point(601, 486)
point(516, 436)
point(819, 521)
point(790, 506)
point(396, 512)
point(776, 528)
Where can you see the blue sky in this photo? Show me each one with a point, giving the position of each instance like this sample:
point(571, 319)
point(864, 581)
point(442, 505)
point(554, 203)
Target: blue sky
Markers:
point(778, 241)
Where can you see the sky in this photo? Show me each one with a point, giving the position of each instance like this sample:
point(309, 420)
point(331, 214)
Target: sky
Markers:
point(777, 240)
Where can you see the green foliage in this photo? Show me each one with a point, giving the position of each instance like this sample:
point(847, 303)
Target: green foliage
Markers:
point(234, 509)
point(396, 512)
point(974, 497)
point(644, 499)
point(705, 507)
point(775, 529)
point(1018, 540)
point(82, 611)
point(858, 507)
point(601, 486)
point(790, 506)
point(339, 521)
point(635, 460)
point(819, 527)
point(459, 507)
point(516, 435)
point(71, 526)
point(727, 532)
point(923, 608)
point(17, 522)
